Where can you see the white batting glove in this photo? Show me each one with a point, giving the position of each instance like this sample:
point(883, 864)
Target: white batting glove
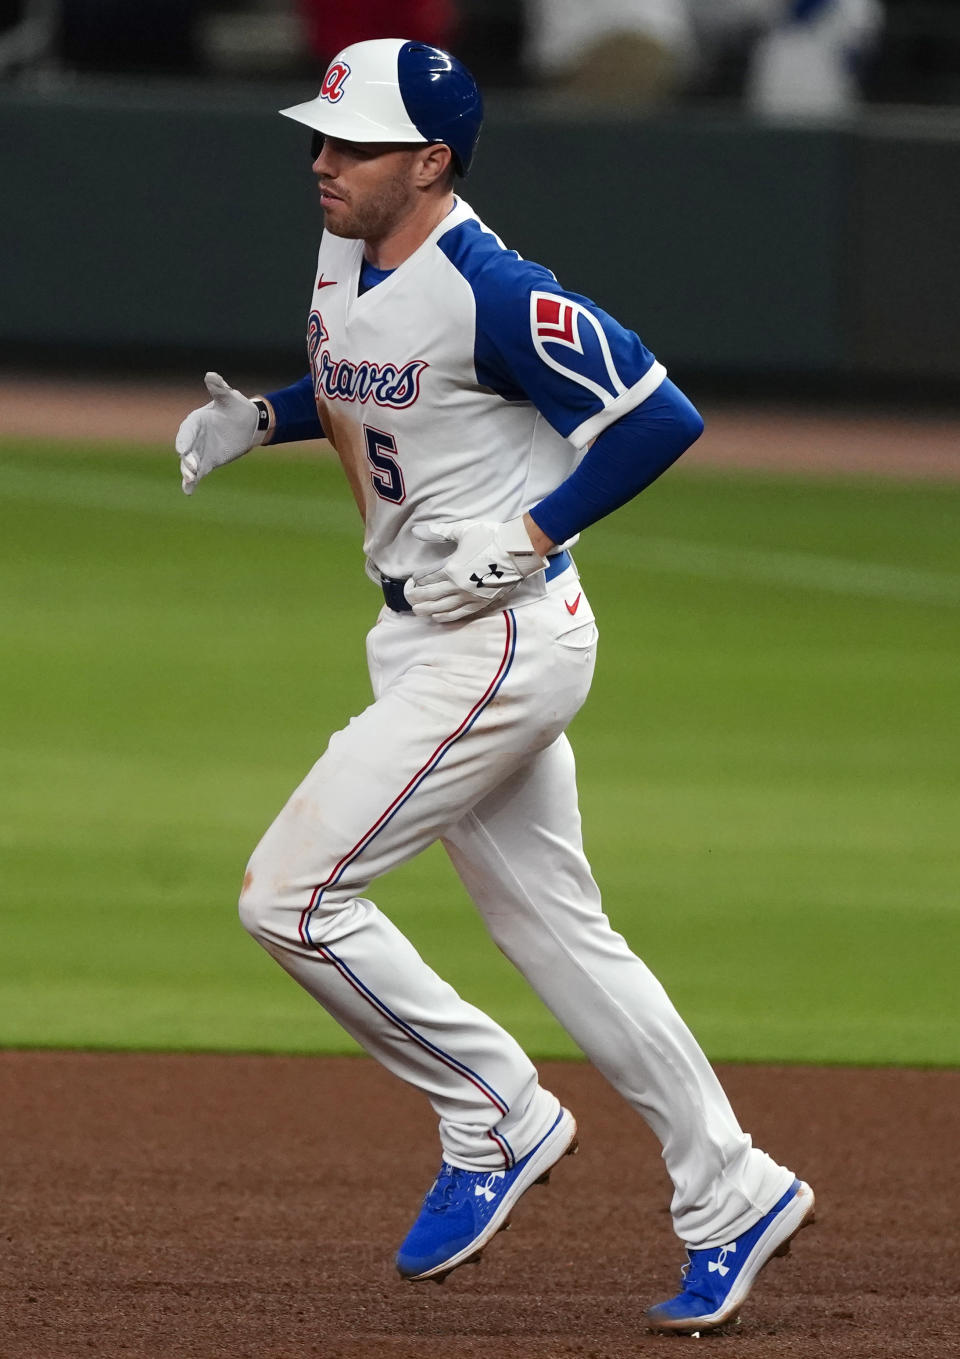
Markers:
point(488, 562)
point(214, 434)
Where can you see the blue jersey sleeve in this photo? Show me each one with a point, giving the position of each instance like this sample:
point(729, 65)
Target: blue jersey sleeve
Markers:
point(623, 461)
point(296, 413)
point(537, 342)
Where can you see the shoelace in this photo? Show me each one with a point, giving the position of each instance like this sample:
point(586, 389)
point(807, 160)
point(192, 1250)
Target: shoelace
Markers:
point(446, 1189)
point(695, 1275)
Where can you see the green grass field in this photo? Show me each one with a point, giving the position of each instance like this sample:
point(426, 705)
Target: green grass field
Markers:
point(768, 762)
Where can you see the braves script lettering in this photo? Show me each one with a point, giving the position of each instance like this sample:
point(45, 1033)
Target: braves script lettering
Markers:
point(386, 384)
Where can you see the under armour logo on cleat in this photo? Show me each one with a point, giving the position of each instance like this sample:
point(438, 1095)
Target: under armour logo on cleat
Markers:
point(717, 1266)
point(488, 1188)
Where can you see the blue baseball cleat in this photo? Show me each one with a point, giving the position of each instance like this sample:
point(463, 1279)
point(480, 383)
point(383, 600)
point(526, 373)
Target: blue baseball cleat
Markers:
point(717, 1281)
point(464, 1209)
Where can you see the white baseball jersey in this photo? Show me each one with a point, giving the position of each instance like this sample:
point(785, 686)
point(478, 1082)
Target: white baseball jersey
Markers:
point(465, 356)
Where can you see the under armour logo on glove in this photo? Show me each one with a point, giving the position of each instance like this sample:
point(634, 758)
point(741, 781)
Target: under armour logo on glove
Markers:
point(488, 561)
point(482, 583)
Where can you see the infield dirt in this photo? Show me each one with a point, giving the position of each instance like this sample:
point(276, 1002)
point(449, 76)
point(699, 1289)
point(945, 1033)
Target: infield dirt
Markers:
point(797, 437)
point(193, 1207)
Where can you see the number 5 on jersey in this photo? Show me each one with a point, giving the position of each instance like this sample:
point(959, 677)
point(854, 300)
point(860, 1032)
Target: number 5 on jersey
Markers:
point(385, 471)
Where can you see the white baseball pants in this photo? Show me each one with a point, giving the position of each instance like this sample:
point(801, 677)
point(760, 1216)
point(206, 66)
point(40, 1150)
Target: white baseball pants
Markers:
point(464, 743)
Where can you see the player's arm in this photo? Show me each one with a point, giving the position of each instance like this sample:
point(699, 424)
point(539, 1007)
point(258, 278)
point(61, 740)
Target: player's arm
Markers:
point(599, 386)
point(623, 460)
point(230, 424)
point(594, 380)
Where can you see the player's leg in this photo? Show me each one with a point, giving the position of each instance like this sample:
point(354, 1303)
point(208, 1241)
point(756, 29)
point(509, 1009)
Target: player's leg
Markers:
point(456, 710)
point(520, 856)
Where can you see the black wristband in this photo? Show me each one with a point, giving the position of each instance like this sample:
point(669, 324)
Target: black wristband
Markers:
point(263, 415)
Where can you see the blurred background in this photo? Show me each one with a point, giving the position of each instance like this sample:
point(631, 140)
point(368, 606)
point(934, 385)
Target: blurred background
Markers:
point(768, 191)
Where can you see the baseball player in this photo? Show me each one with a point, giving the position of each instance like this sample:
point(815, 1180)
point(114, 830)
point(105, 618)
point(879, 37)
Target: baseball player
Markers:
point(484, 417)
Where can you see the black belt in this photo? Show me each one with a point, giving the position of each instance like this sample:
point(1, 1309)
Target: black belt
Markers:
point(397, 600)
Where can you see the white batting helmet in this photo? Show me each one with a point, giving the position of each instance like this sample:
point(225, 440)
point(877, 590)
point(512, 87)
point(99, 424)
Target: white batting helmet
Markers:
point(394, 90)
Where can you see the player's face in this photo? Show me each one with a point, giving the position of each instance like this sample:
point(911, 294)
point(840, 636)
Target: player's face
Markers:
point(366, 190)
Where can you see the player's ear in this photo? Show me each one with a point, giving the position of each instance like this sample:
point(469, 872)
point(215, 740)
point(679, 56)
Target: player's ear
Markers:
point(435, 165)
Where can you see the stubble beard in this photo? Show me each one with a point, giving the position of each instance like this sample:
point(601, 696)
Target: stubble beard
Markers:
point(373, 218)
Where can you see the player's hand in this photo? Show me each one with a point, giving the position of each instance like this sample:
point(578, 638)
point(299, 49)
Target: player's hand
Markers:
point(488, 562)
point(224, 429)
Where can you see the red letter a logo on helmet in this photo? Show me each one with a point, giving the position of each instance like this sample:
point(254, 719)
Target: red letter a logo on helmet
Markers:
point(332, 87)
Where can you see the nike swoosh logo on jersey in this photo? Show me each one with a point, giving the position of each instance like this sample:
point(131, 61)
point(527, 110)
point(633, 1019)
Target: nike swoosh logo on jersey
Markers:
point(572, 608)
point(326, 283)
